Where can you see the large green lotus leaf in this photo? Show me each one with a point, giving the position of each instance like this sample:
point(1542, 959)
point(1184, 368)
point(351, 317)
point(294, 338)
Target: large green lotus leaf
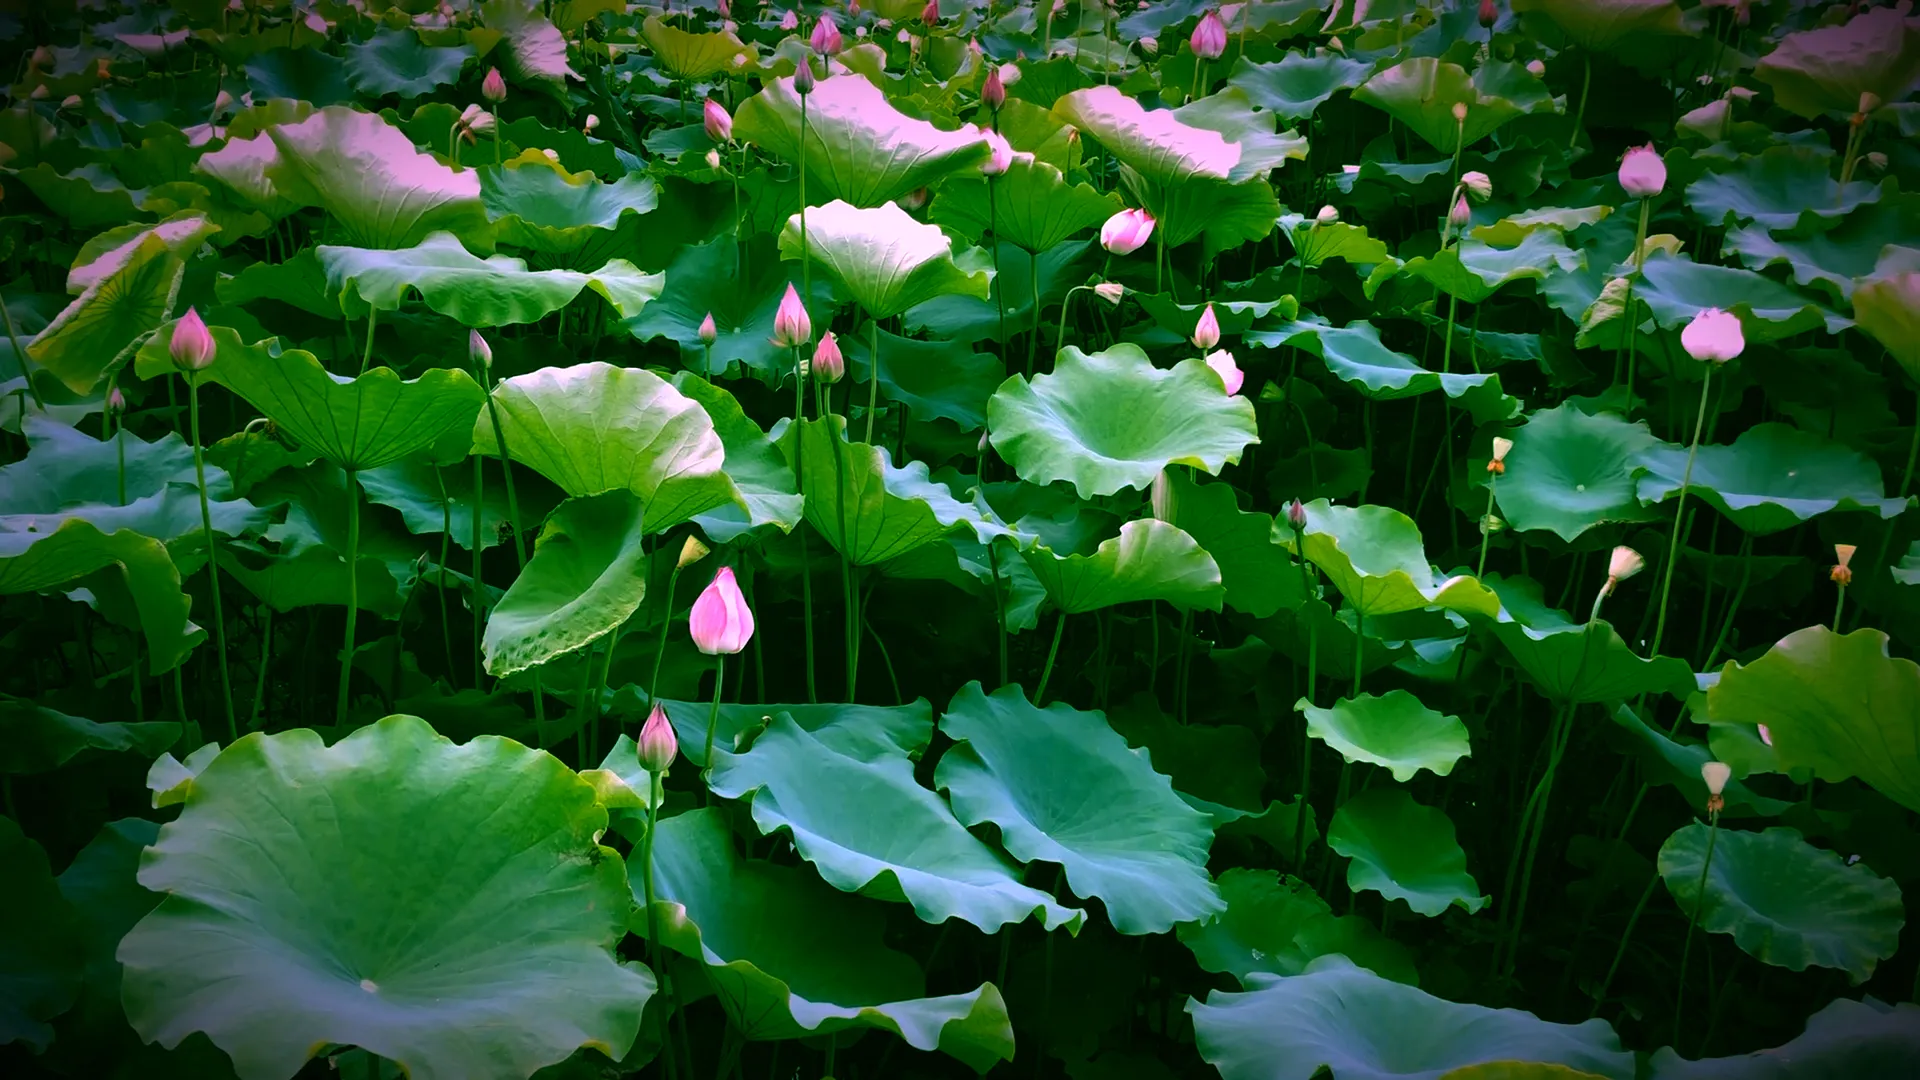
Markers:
point(868, 509)
point(536, 204)
point(1888, 308)
point(1474, 270)
point(1834, 259)
point(1511, 230)
point(395, 62)
point(1315, 244)
point(1786, 902)
point(1111, 420)
point(586, 577)
point(768, 492)
point(1375, 557)
point(1827, 69)
point(1223, 215)
point(1033, 206)
point(37, 739)
point(594, 427)
point(40, 943)
point(535, 50)
point(89, 197)
point(856, 813)
point(1231, 114)
point(1355, 354)
point(788, 957)
point(240, 168)
point(1421, 93)
point(298, 282)
point(1677, 764)
point(1403, 851)
point(1258, 573)
point(1782, 187)
point(298, 74)
point(1676, 289)
point(1298, 84)
point(1578, 662)
point(1149, 560)
point(360, 423)
point(1599, 25)
point(1837, 704)
point(432, 498)
point(376, 189)
point(127, 280)
point(1571, 471)
point(1771, 478)
point(939, 377)
point(1063, 788)
point(884, 259)
point(397, 858)
point(858, 731)
point(309, 567)
point(495, 291)
point(709, 279)
point(1154, 143)
point(1277, 924)
point(859, 148)
point(1844, 1040)
point(102, 887)
point(32, 561)
point(692, 56)
point(1396, 731)
point(1364, 1027)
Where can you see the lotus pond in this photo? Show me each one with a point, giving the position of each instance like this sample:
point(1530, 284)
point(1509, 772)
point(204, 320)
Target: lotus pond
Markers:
point(898, 539)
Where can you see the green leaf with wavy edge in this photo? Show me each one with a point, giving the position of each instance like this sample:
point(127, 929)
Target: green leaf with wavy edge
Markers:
point(1063, 788)
point(857, 814)
point(858, 731)
point(1421, 93)
point(1676, 289)
point(859, 148)
point(396, 62)
point(768, 491)
point(1149, 560)
point(1845, 1039)
point(1473, 270)
point(1395, 731)
point(1355, 354)
point(1677, 765)
point(534, 50)
point(1257, 571)
point(594, 427)
point(1033, 206)
point(1839, 258)
point(1786, 902)
point(884, 259)
point(1836, 704)
point(1231, 114)
point(431, 498)
point(1599, 25)
point(1783, 188)
point(1374, 556)
point(35, 561)
point(1578, 662)
point(1315, 244)
point(863, 505)
point(1771, 478)
point(360, 933)
point(1155, 143)
point(40, 938)
point(1403, 851)
point(693, 56)
point(37, 739)
point(1888, 308)
point(1298, 84)
point(1570, 471)
point(1277, 924)
point(535, 203)
point(1827, 68)
point(789, 957)
point(943, 378)
point(1111, 420)
point(365, 174)
point(1512, 230)
point(1022, 277)
point(710, 279)
point(495, 291)
point(586, 577)
point(1363, 1027)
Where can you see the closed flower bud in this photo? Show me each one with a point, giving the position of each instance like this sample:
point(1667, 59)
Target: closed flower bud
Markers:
point(494, 86)
point(791, 327)
point(1296, 516)
point(657, 745)
point(1150, 46)
point(713, 159)
point(40, 93)
point(725, 9)
point(1642, 173)
point(803, 78)
point(1327, 215)
point(1537, 69)
point(1126, 232)
point(1498, 465)
point(1209, 39)
point(720, 622)
point(826, 38)
point(1461, 215)
point(691, 552)
point(1478, 185)
point(1206, 331)
point(1221, 361)
point(719, 124)
point(590, 123)
point(931, 13)
point(708, 331)
point(1713, 337)
point(1877, 161)
point(993, 92)
point(1459, 112)
point(116, 402)
point(1766, 736)
point(72, 101)
point(1842, 574)
point(1489, 13)
point(829, 366)
point(1621, 565)
point(1160, 497)
point(475, 120)
point(479, 351)
point(1110, 291)
point(192, 345)
point(789, 21)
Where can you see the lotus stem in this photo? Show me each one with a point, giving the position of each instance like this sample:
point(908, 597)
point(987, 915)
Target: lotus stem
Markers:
point(999, 605)
point(366, 355)
point(713, 712)
point(260, 681)
point(655, 793)
point(21, 357)
point(1046, 672)
point(446, 541)
point(806, 568)
point(993, 249)
point(1060, 337)
point(1535, 822)
point(660, 645)
point(1580, 114)
point(1033, 333)
point(213, 551)
point(479, 588)
point(1839, 605)
point(1620, 950)
point(1639, 263)
point(1693, 918)
point(1306, 738)
point(1673, 548)
point(1486, 528)
point(513, 514)
point(353, 595)
point(873, 381)
point(1733, 606)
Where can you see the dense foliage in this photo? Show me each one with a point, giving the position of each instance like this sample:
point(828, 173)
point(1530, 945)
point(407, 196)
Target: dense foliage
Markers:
point(1314, 537)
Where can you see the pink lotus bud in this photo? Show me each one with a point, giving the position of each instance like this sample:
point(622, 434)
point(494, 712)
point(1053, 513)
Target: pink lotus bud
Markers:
point(829, 366)
point(1765, 735)
point(1713, 336)
point(1537, 69)
point(70, 102)
point(1462, 214)
point(657, 745)
point(719, 124)
point(791, 326)
point(40, 93)
point(1126, 232)
point(1642, 173)
point(1221, 361)
point(915, 199)
point(1002, 157)
point(721, 623)
point(1296, 516)
point(931, 13)
point(708, 331)
point(1459, 112)
point(826, 36)
point(993, 92)
point(1478, 185)
point(803, 78)
point(1110, 291)
point(1150, 46)
point(116, 402)
point(725, 9)
point(790, 21)
point(192, 345)
point(1209, 39)
point(589, 124)
point(1621, 565)
point(494, 86)
point(479, 351)
point(1489, 13)
point(1206, 332)
point(1328, 215)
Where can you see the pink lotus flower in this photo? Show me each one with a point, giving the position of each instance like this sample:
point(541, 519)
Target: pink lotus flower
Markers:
point(931, 13)
point(1296, 515)
point(1206, 332)
point(791, 327)
point(1209, 39)
point(478, 351)
point(1221, 361)
point(829, 366)
point(719, 124)
point(721, 623)
point(1713, 336)
point(1489, 13)
point(826, 36)
point(1642, 173)
point(993, 92)
point(708, 331)
point(1126, 232)
point(192, 346)
point(494, 86)
point(790, 21)
point(657, 745)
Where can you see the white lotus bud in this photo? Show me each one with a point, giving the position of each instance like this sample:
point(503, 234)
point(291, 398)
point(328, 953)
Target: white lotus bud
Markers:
point(1716, 774)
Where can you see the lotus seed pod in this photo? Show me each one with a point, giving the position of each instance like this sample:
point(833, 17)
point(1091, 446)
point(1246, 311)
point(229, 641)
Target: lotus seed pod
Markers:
point(1498, 464)
point(1713, 336)
point(1842, 573)
point(829, 365)
point(1206, 332)
point(691, 552)
point(1221, 361)
point(720, 623)
point(192, 346)
point(657, 745)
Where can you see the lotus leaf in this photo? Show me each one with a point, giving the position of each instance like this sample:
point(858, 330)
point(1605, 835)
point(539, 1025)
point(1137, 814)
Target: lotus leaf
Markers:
point(884, 259)
point(692, 56)
point(365, 173)
point(1473, 269)
point(1356, 355)
point(1258, 574)
point(1423, 91)
point(1395, 731)
point(1154, 143)
point(536, 204)
point(766, 485)
point(32, 561)
point(1033, 206)
point(742, 296)
point(1676, 289)
point(1403, 851)
point(947, 379)
point(397, 62)
point(586, 577)
point(1782, 188)
point(1374, 556)
point(40, 940)
point(1845, 1039)
point(1888, 307)
point(496, 291)
point(1578, 662)
point(1826, 69)
point(1149, 560)
point(866, 508)
point(36, 739)
point(1278, 925)
point(1298, 84)
point(1600, 25)
point(535, 50)
point(1771, 478)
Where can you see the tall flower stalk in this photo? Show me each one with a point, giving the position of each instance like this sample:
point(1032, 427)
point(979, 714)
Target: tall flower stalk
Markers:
point(1713, 337)
point(192, 349)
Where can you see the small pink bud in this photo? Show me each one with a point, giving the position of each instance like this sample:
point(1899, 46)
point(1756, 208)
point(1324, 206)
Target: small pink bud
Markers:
point(931, 13)
point(657, 745)
point(708, 331)
point(1221, 361)
point(116, 402)
point(803, 78)
point(1489, 13)
point(1206, 332)
point(479, 351)
point(829, 366)
point(1462, 214)
point(791, 326)
point(1126, 232)
point(1209, 39)
point(1642, 173)
point(494, 86)
point(790, 21)
point(826, 36)
point(192, 345)
point(725, 9)
point(1296, 516)
point(1714, 336)
point(993, 92)
point(721, 623)
point(719, 124)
